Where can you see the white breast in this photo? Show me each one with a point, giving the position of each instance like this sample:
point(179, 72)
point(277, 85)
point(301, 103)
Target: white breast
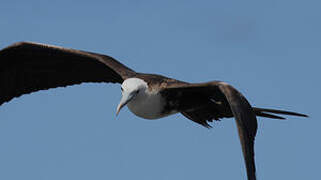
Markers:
point(147, 105)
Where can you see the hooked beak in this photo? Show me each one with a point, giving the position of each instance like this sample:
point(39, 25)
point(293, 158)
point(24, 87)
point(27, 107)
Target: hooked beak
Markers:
point(124, 100)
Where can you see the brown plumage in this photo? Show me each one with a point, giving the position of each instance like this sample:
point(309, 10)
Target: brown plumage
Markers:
point(28, 67)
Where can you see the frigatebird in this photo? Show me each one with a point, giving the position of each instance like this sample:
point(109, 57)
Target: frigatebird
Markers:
point(27, 67)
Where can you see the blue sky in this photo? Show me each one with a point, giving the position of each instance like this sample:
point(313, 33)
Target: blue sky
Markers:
point(270, 51)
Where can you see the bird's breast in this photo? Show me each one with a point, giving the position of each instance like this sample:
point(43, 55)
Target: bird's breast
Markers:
point(148, 106)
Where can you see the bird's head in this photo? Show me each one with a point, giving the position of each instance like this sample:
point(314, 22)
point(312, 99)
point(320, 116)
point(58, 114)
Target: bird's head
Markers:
point(131, 88)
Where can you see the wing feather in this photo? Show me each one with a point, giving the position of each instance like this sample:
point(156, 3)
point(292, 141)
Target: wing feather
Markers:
point(26, 67)
point(246, 124)
point(225, 101)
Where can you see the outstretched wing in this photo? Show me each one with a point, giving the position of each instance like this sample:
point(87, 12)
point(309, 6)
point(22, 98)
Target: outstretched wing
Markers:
point(207, 101)
point(26, 67)
point(246, 124)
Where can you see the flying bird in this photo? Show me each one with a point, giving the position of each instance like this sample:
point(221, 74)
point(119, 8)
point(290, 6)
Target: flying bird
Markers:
point(27, 67)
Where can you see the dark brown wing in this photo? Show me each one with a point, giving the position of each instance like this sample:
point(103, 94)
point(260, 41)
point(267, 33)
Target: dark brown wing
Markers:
point(27, 67)
point(246, 124)
point(206, 101)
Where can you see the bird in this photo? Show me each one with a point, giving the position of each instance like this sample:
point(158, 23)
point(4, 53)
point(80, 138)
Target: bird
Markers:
point(27, 67)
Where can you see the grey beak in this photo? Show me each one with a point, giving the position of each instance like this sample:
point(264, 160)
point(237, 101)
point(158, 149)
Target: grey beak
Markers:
point(124, 100)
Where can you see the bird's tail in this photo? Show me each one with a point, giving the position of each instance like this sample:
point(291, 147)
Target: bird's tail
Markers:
point(270, 113)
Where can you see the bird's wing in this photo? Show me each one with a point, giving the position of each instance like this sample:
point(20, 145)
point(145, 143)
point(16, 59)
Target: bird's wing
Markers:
point(26, 67)
point(196, 100)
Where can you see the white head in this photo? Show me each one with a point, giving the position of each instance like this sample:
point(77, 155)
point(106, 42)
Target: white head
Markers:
point(130, 89)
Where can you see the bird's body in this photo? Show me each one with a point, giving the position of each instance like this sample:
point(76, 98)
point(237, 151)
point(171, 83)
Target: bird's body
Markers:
point(28, 67)
point(148, 103)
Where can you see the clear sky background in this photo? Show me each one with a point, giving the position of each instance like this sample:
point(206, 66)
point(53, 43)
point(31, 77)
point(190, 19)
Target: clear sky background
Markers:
point(270, 51)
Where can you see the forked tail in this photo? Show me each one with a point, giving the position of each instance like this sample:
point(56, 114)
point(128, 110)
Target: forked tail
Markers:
point(270, 113)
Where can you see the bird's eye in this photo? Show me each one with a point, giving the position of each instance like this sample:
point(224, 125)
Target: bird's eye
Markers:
point(137, 91)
